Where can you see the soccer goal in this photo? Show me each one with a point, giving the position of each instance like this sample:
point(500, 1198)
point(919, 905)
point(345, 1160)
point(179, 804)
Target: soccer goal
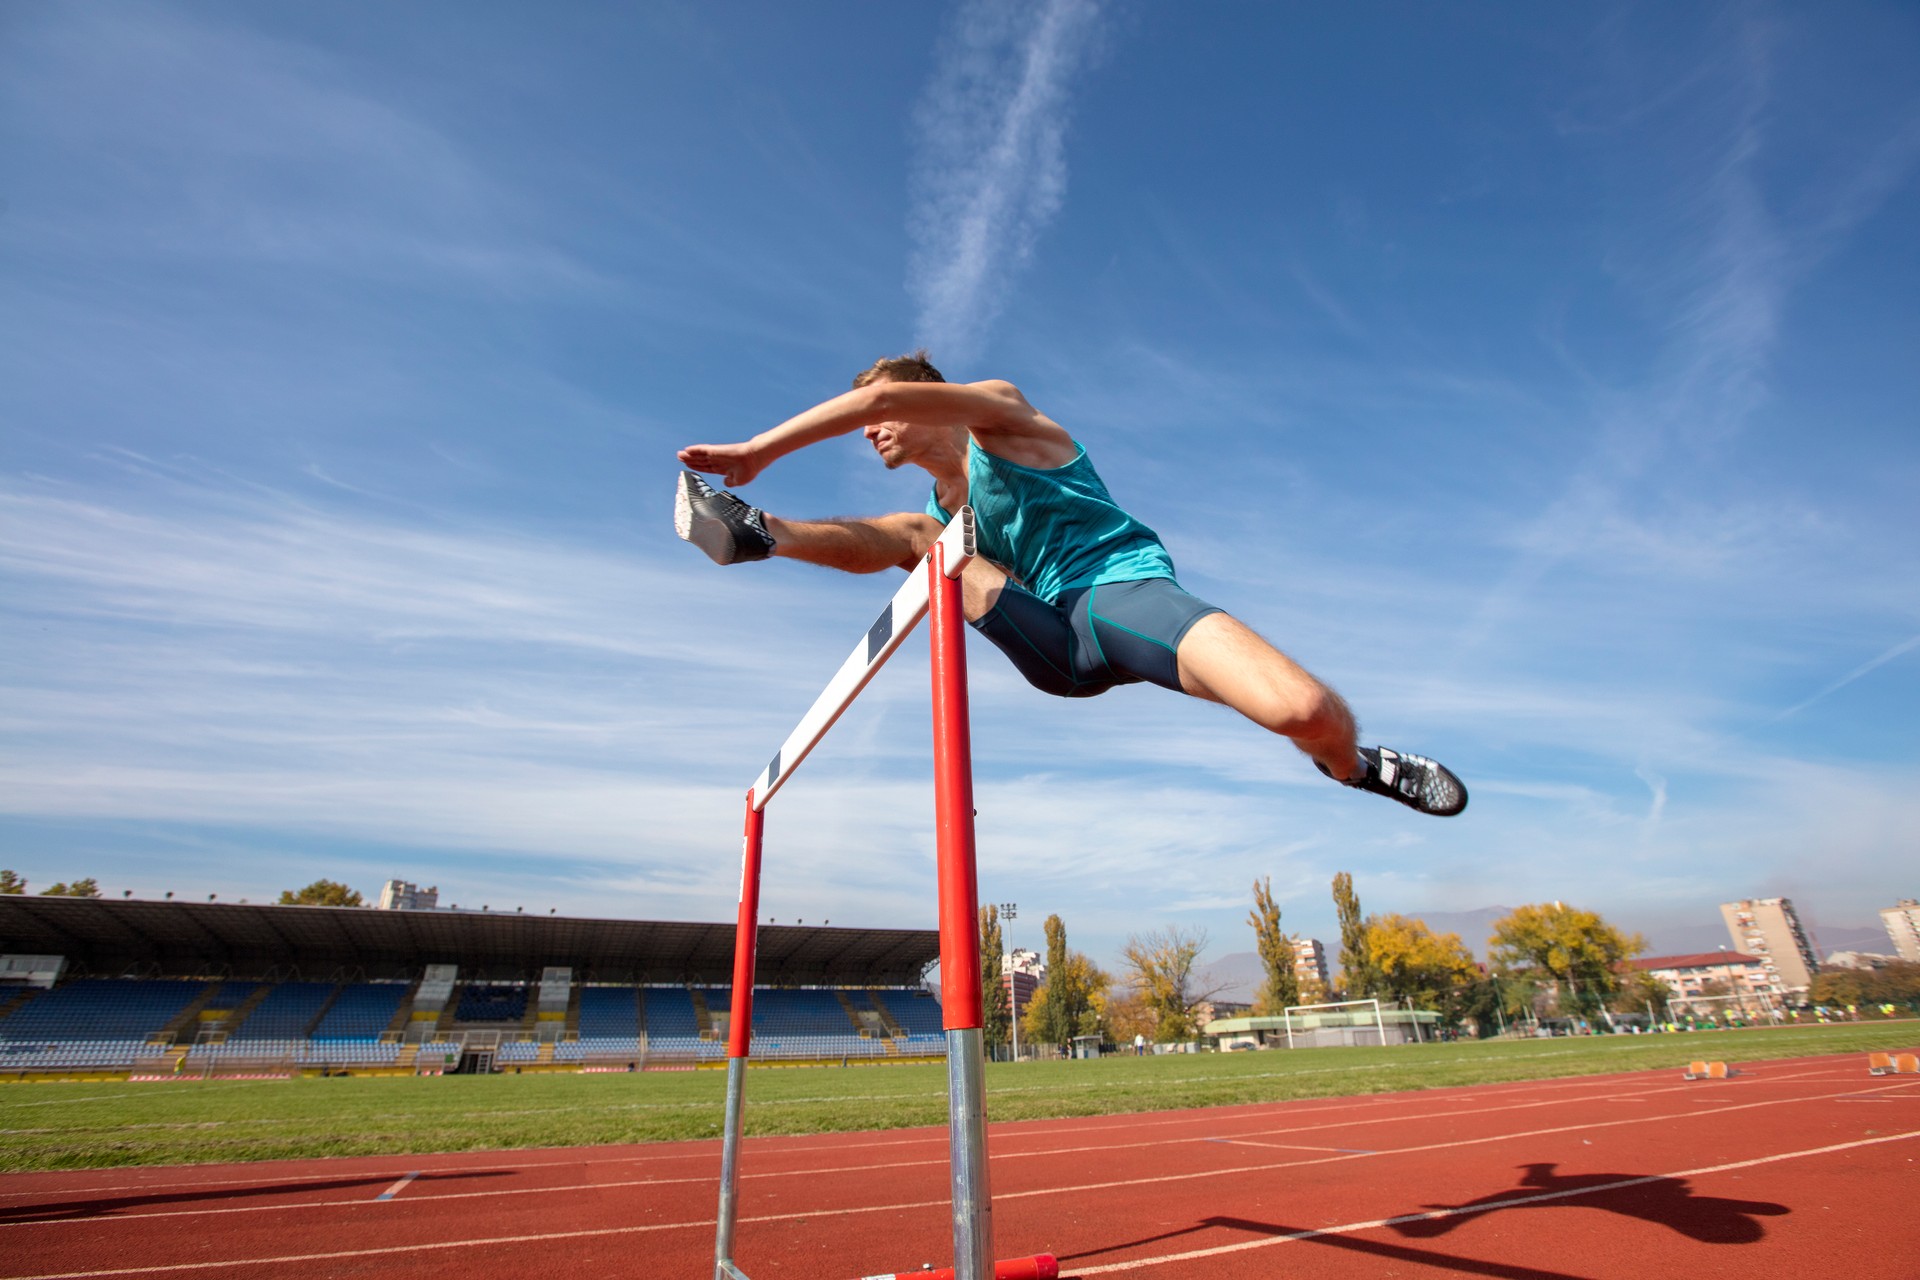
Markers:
point(931, 591)
point(1379, 1022)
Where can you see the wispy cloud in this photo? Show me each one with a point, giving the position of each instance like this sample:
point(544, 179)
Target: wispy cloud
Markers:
point(991, 132)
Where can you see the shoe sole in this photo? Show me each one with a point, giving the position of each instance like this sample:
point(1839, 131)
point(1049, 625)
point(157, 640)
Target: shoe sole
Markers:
point(711, 536)
point(1416, 802)
point(1459, 786)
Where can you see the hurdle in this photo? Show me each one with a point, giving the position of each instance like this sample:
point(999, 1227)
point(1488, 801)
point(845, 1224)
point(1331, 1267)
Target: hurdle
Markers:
point(1708, 1071)
point(931, 590)
point(1893, 1064)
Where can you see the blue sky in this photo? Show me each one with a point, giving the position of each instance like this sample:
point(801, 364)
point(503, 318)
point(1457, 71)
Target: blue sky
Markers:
point(1542, 377)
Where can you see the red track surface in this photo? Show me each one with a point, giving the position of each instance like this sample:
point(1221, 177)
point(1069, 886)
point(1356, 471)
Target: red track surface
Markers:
point(1803, 1168)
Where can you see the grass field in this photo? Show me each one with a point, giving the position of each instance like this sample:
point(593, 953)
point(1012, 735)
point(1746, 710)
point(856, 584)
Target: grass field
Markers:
point(69, 1126)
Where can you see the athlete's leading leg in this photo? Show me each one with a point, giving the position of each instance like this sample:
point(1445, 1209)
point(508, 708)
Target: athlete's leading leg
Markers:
point(1222, 660)
point(865, 544)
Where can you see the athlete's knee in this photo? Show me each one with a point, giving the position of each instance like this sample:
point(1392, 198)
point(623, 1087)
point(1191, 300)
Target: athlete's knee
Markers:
point(1304, 708)
point(915, 533)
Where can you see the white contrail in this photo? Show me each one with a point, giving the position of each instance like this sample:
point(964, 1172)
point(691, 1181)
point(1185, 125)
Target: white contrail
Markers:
point(1905, 646)
point(991, 171)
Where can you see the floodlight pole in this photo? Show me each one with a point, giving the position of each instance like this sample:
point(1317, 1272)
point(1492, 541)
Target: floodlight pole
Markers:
point(1009, 911)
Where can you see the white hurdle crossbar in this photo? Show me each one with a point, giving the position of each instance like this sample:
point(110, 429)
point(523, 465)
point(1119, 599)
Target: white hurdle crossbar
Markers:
point(902, 614)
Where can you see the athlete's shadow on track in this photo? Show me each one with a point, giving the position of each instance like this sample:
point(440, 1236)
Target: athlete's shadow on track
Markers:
point(212, 1197)
point(1669, 1202)
point(1383, 1250)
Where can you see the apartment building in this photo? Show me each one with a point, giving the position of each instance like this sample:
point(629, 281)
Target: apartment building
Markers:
point(1769, 929)
point(1022, 973)
point(1903, 926)
point(1310, 961)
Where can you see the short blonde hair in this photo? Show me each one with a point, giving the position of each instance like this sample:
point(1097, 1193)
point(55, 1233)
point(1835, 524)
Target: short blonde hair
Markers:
point(914, 367)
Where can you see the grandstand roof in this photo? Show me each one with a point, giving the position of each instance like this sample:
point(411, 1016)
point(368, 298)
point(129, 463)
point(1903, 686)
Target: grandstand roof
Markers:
point(109, 936)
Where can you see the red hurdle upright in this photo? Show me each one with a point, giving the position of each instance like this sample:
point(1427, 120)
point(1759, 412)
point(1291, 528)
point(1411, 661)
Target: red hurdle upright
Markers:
point(933, 590)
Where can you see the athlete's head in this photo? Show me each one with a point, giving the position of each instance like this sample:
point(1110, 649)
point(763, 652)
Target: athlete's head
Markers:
point(908, 368)
point(896, 447)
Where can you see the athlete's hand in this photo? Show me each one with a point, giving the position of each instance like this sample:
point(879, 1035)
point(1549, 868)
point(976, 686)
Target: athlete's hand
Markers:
point(735, 464)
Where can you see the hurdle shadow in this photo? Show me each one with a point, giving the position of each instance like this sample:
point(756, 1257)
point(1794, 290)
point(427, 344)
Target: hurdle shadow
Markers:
point(1664, 1201)
point(77, 1210)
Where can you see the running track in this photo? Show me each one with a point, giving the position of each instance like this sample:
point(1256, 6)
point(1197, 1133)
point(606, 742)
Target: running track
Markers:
point(1800, 1168)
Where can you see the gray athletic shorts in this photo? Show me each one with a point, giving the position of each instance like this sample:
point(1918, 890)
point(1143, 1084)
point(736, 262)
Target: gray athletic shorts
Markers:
point(1094, 638)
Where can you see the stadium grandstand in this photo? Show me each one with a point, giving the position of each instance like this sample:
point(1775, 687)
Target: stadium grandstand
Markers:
point(134, 988)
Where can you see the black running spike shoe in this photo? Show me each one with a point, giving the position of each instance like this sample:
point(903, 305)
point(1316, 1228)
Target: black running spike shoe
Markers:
point(718, 523)
point(1415, 781)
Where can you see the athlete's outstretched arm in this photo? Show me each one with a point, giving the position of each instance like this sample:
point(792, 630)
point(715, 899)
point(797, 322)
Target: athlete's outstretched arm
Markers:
point(995, 412)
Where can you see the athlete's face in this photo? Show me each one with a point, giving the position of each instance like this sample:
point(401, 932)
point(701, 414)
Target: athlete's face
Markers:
point(893, 441)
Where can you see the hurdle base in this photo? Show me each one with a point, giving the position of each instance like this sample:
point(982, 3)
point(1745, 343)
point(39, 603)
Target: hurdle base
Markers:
point(1041, 1266)
point(1709, 1071)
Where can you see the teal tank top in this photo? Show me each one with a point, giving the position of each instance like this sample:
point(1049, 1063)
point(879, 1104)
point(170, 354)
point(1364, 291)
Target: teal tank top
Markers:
point(1055, 529)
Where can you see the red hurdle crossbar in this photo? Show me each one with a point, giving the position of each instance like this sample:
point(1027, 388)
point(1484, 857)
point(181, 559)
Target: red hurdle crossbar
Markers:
point(933, 591)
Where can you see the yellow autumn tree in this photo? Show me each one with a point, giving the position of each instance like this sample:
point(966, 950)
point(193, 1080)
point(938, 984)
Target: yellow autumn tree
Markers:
point(1555, 943)
point(1412, 962)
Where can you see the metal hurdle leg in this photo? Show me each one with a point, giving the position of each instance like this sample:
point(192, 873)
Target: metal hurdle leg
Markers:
point(937, 594)
point(959, 927)
point(739, 1040)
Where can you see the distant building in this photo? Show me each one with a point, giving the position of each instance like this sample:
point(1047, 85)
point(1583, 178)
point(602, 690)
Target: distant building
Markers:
point(1310, 961)
point(1859, 960)
point(1769, 929)
point(401, 895)
point(1209, 1010)
point(1903, 926)
point(1023, 973)
point(1711, 975)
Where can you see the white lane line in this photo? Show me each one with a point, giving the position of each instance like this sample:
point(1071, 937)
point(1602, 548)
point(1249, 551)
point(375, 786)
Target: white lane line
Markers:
point(939, 1159)
point(937, 1139)
point(1486, 1207)
point(546, 1237)
point(394, 1190)
point(1287, 1146)
point(564, 1156)
point(1340, 1154)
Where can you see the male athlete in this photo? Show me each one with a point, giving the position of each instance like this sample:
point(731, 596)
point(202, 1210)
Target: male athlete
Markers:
point(1078, 594)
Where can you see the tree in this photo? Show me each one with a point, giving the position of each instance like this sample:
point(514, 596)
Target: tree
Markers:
point(1565, 944)
point(1641, 992)
point(1897, 983)
point(1282, 987)
point(11, 882)
point(1161, 965)
point(1069, 1004)
point(1411, 962)
point(1055, 1019)
point(321, 893)
point(993, 986)
point(1357, 979)
point(87, 888)
point(1124, 1013)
